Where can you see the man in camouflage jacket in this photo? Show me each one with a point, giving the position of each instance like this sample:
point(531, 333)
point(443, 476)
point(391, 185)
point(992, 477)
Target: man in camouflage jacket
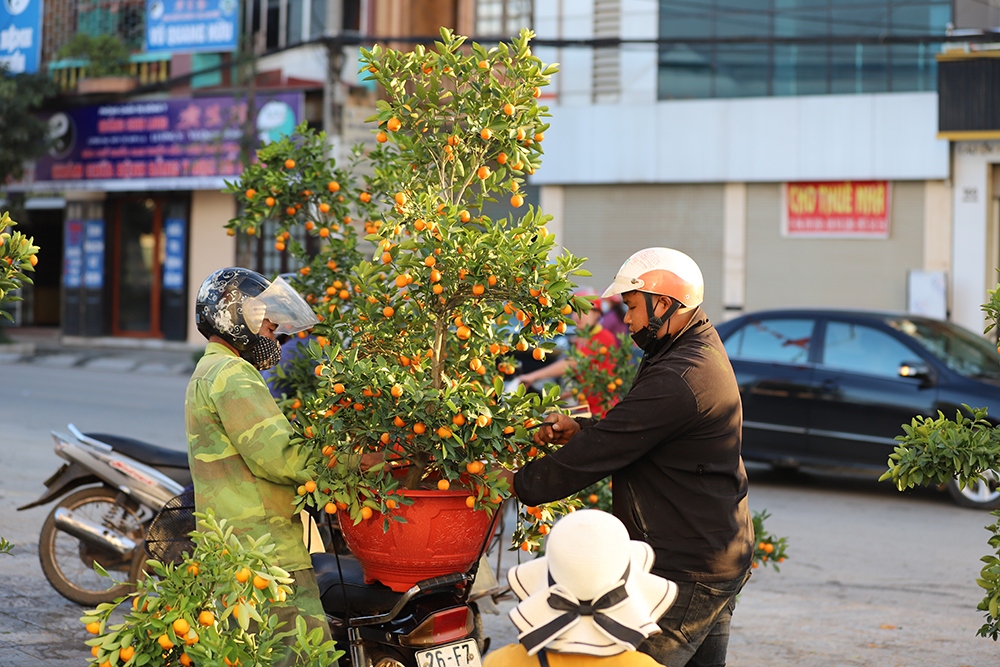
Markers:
point(245, 468)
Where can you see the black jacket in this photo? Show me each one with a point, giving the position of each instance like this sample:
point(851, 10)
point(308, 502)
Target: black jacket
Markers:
point(672, 447)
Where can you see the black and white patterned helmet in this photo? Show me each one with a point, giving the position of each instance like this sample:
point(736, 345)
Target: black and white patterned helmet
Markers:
point(218, 309)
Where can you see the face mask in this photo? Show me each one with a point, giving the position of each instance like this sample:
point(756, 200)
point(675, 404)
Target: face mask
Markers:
point(645, 338)
point(263, 354)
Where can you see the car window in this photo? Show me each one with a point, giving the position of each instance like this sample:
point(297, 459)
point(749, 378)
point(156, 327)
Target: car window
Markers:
point(962, 351)
point(863, 349)
point(776, 340)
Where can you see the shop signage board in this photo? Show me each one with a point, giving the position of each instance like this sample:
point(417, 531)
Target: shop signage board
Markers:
point(173, 262)
point(20, 35)
point(191, 26)
point(83, 254)
point(836, 209)
point(175, 144)
point(93, 254)
point(73, 254)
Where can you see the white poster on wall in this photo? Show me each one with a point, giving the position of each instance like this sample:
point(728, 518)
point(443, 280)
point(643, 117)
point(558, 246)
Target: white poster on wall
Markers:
point(927, 294)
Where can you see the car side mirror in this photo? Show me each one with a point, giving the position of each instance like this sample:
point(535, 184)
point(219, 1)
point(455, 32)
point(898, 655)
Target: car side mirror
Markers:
point(916, 370)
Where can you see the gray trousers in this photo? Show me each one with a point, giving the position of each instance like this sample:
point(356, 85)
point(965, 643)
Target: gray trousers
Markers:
point(696, 628)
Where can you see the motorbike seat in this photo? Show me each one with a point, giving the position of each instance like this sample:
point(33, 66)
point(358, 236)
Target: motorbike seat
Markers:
point(143, 452)
point(361, 599)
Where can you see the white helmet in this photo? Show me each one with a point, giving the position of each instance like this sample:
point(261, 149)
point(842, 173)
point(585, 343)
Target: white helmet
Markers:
point(660, 271)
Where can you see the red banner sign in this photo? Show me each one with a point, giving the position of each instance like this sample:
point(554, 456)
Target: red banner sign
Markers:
point(848, 209)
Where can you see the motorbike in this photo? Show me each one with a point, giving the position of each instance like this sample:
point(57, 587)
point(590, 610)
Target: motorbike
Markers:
point(108, 490)
point(436, 623)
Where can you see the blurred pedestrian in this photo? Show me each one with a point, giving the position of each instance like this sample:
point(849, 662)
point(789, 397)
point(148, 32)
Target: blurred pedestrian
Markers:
point(613, 318)
point(588, 338)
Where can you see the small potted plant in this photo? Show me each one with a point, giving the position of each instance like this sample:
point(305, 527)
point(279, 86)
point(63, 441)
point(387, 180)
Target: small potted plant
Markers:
point(107, 68)
point(199, 611)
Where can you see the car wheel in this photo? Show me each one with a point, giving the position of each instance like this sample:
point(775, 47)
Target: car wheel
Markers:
point(982, 494)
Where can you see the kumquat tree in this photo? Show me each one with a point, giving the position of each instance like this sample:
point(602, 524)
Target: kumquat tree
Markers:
point(416, 369)
point(600, 376)
point(216, 607)
point(18, 256)
point(935, 450)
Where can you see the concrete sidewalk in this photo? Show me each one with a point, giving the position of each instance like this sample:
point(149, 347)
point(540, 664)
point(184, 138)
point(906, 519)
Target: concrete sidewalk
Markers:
point(46, 346)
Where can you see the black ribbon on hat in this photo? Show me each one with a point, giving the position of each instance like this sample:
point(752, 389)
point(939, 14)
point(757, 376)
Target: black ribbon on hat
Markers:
point(574, 610)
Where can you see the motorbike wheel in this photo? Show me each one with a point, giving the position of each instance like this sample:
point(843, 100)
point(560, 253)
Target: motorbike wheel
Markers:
point(479, 634)
point(984, 494)
point(68, 562)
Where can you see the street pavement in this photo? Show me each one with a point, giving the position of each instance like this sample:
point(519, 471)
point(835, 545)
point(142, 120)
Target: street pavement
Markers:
point(45, 347)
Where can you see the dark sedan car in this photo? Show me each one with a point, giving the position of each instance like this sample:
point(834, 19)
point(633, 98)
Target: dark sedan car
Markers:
point(833, 387)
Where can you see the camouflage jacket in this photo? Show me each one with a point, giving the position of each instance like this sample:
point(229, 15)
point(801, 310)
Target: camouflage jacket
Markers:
point(242, 464)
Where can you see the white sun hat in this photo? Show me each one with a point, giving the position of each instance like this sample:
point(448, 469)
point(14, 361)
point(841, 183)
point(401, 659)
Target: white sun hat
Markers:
point(592, 592)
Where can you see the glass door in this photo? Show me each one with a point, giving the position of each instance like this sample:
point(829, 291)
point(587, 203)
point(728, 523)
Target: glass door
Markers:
point(137, 272)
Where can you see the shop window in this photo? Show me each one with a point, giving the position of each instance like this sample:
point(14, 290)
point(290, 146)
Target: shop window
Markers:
point(279, 23)
point(259, 254)
point(502, 18)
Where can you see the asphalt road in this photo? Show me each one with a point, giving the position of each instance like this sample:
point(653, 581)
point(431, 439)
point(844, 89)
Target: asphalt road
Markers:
point(874, 577)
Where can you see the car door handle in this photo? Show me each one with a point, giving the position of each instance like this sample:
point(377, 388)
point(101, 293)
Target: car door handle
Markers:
point(829, 386)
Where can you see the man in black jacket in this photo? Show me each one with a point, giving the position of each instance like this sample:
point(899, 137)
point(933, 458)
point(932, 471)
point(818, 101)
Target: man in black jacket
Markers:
point(672, 447)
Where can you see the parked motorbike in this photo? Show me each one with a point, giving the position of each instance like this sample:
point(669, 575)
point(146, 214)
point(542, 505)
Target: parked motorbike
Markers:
point(436, 623)
point(125, 482)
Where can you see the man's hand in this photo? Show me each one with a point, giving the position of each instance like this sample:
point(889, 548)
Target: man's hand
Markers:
point(557, 430)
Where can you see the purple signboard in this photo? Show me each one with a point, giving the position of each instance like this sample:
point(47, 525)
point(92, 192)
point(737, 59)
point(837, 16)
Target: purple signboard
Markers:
point(156, 144)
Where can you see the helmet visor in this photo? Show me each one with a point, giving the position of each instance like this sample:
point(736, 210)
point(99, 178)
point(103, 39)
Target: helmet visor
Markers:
point(281, 304)
point(620, 285)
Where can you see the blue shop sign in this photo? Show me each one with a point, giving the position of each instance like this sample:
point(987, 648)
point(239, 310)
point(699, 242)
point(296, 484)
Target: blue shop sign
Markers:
point(20, 35)
point(73, 254)
point(173, 262)
point(191, 25)
point(93, 254)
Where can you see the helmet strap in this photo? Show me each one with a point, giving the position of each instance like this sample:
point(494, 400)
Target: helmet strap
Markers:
point(653, 322)
point(646, 338)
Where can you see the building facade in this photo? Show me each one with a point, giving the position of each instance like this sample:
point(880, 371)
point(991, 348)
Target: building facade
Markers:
point(704, 125)
point(129, 205)
point(696, 124)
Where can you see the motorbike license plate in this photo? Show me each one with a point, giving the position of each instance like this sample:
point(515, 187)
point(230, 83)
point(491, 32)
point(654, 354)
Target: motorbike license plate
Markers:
point(460, 654)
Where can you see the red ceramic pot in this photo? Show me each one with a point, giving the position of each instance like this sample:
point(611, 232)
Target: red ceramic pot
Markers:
point(441, 535)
